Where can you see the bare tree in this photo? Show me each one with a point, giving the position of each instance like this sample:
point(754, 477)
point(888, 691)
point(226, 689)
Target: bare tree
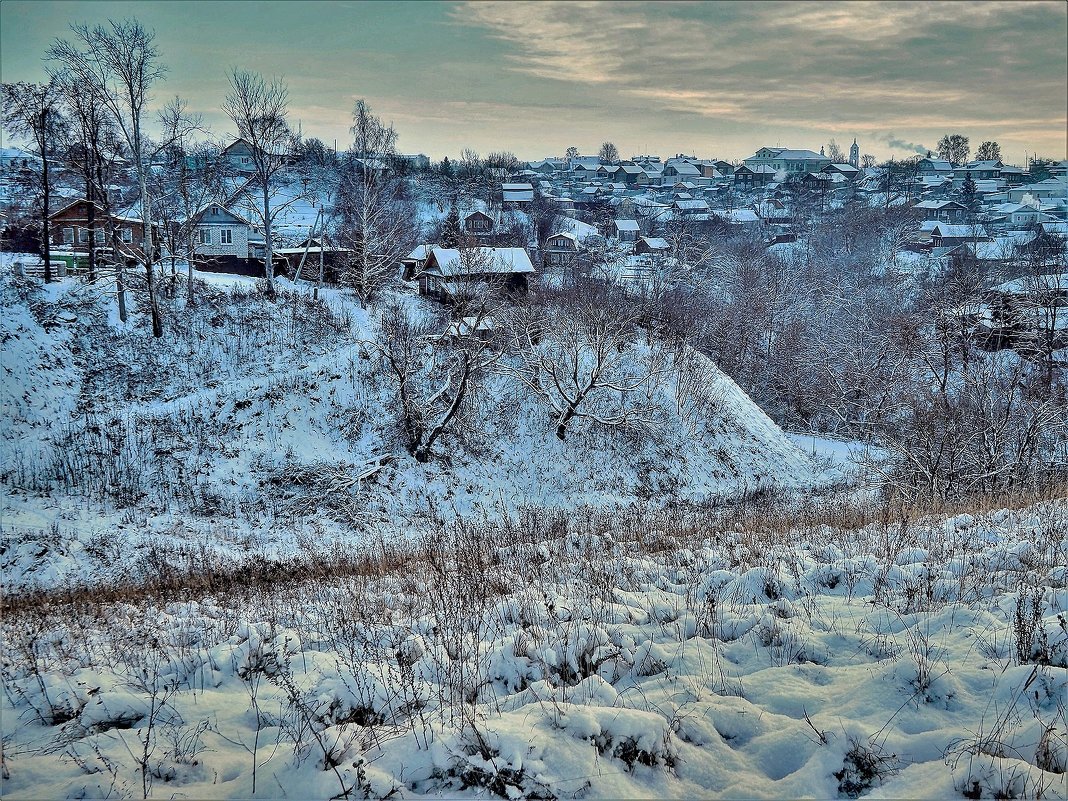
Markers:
point(433, 374)
point(258, 108)
point(988, 151)
point(190, 179)
point(33, 111)
point(122, 62)
point(373, 218)
point(84, 152)
point(834, 153)
point(571, 153)
point(609, 153)
point(582, 357)
point(954, 148)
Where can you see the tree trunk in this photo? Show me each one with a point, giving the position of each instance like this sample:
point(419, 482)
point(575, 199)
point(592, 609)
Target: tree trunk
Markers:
point(146, 220)
point(268, 256)
point(46, 238)
point(565, 418)
point(189, 269)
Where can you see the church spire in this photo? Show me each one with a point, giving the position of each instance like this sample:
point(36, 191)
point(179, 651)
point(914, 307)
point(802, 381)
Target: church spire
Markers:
point(854, 154)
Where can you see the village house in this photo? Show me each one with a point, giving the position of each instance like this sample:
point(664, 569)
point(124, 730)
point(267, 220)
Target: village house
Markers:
point(787, 160)
point(69, 230)
point(948, 211)
point(448, 271)
point(516, 195)
point(746, 177)
point(625, 230)
point(238, 156)
point(479, 225)
point(850, 172)
point(219, 235)
point(560, 250)
point(413, 263)
point(651, 246)
point(945, 235)
point(980, 169)
point(933, 166)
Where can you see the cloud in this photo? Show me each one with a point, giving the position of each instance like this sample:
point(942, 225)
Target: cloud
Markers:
point(824, 68)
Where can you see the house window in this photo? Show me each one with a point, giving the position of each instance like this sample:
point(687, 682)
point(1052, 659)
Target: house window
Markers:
point(98, 235)
point(205, 236)
point(83, 236)
point(214, 211)
point(68, 236)
point(226, 237)
point(246, 160)
point(127, 235)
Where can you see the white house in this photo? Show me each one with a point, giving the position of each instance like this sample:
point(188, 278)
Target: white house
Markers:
point(220, 232)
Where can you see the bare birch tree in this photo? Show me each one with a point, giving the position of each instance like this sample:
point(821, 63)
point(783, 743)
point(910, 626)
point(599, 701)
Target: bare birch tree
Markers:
point(122, 62)
point(258, 108)
point(373, 218)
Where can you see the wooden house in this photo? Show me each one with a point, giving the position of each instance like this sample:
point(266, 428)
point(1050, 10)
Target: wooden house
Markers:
point(448, 271)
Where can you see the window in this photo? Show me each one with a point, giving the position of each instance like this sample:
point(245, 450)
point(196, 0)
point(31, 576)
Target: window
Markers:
point(205, 236)
point(226, 237)
point(83, 236)
point(98, 235)
point(214, 211)
point(246, 160)
point(68, 236)
point(127, 234)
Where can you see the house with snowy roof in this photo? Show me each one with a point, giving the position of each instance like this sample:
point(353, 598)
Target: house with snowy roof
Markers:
point(413, 263)
point(932, 166)
point(650, 246)
point(478, 224)
point(560, 250)
point(945, 235)
point(448, 271)
point(746, 177)
point(625, 230)
point(220, 235)
point(515, 195)
point(788, 160)
point(69, 229)
point(948, 211)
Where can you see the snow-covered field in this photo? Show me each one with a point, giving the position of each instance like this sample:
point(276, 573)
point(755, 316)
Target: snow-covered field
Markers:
point(635, 655)
point(200, 602)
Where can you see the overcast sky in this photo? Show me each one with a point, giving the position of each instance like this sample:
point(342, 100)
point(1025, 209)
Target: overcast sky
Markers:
point(714, 79)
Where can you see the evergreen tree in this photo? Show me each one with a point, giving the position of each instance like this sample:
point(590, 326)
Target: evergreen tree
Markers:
point(446, 167)
point(451, 234)
point(969, 194)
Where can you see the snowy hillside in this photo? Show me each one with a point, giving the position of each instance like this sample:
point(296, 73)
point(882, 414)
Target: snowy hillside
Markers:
point(261, 412)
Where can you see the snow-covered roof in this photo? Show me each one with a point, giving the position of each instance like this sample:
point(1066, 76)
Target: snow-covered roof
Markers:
point(420, 252)
point(1034, 283)
point(655, 243)
point(738, 216)
point(626, 225)
point(449, 262)
point(955, 231)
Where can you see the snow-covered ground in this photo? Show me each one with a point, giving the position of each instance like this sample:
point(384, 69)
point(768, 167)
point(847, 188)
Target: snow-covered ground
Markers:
point(249, 411)
point(618, 657)
point(201, 602)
